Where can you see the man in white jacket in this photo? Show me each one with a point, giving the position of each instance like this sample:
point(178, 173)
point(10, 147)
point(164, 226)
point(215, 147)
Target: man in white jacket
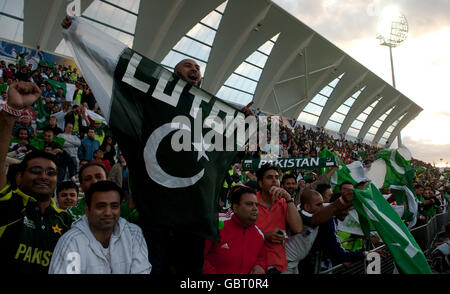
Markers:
point(101, 242)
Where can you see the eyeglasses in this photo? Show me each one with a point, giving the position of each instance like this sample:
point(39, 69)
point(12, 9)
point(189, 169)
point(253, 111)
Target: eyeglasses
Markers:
point(37, 170)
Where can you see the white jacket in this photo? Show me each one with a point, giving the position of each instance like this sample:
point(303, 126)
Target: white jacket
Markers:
point(78, 252)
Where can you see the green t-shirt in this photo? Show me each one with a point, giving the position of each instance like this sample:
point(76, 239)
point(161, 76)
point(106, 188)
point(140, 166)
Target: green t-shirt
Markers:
point(27, 236)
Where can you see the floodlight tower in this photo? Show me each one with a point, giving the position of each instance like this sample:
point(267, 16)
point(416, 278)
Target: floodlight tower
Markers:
point(393, 30)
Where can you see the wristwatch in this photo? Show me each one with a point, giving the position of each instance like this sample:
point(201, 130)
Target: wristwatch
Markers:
point(289, 201)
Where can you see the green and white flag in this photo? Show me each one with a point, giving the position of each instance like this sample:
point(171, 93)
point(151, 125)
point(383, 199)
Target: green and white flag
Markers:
point(393, 169)
point(42, 117)
point(68, 89)
point(139, 100)
point(343, 174)
point(375, 212)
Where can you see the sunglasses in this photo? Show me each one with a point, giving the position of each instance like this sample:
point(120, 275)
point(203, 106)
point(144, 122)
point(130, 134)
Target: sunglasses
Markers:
point(37, 170)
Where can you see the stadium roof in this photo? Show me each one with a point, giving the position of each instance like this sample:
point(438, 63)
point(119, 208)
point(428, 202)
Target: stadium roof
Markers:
point(247, 50)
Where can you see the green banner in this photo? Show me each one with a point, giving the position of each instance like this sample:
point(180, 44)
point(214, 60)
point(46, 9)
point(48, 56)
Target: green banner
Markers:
point(290, 163)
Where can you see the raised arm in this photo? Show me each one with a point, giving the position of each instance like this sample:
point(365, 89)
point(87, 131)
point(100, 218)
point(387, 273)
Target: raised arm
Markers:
point(20, 96)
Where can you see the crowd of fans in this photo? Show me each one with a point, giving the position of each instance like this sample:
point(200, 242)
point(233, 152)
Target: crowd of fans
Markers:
point(301, 237)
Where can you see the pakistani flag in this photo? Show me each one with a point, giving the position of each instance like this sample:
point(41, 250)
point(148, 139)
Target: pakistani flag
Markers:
point(323, 154)
point(68, 89)
point(42, 116)
point(375, 212)
point(164, 129)
point(343, 174)
point(393, 169)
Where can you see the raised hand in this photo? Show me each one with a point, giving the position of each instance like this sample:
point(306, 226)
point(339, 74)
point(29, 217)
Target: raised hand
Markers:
point(246, 110)
point(22, 94)
point(67, 21)
point(279, 193)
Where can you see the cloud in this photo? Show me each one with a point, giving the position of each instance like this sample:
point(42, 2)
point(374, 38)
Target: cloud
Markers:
point(446, 114)
point(427, 152)
point(341, 21)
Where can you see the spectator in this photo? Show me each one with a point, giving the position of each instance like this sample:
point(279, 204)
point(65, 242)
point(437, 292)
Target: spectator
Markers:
point(20, 146)
point(313, 213)
point(89, 174)
point(325, 191)
point(99, 132)
point(9, 72)
point(21, 210)
point(241, 248)
point(60, 115)
point(289, 183)
point(105, 242)
point(89, 98)
point(63, 160)
point(48, 92)
point(98, 157)
point(59, 98)
point(23, 122)
point(277, 213)
point(119, 174)
point(109, 152)
point(53, 125)
point(327, 250)
point(78, 119)
point(88, 146)
point(67, 194)
point(71, 145)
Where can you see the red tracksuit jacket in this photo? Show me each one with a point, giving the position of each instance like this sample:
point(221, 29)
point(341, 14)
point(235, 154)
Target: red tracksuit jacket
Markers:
point(238, 251)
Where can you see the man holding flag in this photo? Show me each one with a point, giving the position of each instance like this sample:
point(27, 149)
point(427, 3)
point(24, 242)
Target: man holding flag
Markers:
point(140, 100)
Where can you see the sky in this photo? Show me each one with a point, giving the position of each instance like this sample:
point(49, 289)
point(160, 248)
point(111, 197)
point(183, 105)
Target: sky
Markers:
point(421, 62)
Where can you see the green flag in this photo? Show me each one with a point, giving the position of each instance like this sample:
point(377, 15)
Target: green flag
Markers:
point(343, 174)
point(377, 212)
point(68, 89)
point(399, 177)
point(152, 114)
point(323, 154)
point(398, 169)
point(42, 117)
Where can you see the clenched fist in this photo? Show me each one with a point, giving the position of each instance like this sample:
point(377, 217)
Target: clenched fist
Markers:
point(22, 94)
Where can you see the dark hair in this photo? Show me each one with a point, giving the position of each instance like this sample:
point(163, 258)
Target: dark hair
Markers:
point(36, 154)
point(334, 197)
point(66, 185)
point(13, 169)
point(263, 169)
point(89, 164)
point(22, 128)
point(321, 188)
point(418, 186)
point(238, 191)
point(48, 129)
point(103, 186)
point(345, 183)
point(289, 176)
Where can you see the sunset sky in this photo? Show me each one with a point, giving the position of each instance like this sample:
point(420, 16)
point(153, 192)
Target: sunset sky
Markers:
point(421, 62)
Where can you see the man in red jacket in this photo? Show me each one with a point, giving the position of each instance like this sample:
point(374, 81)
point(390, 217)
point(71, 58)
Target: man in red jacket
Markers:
point(241, 248)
